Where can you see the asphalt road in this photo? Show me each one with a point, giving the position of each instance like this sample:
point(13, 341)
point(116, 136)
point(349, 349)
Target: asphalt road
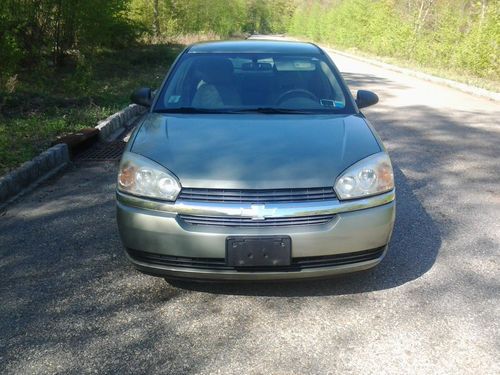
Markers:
point(70, 302)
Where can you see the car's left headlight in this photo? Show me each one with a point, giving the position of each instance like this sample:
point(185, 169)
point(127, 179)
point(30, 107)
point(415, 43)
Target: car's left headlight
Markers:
point(141, 176)
point(369, 176)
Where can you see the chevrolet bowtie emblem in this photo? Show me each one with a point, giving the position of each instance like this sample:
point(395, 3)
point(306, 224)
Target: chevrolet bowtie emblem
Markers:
point(258, 212)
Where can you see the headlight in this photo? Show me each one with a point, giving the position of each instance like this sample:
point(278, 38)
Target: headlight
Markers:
point(370, 176)
point(140, 176)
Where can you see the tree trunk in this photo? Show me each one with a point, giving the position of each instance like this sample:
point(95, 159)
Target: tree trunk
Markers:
point(156, 18)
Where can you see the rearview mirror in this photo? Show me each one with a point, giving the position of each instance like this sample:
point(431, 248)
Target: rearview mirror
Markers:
point(365, 98)
point(142, 96)
point(256, 67)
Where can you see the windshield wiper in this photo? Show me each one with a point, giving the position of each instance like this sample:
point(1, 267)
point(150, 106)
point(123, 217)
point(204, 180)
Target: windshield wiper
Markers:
point(191, 110)
point(272, 110)
point(265, 110)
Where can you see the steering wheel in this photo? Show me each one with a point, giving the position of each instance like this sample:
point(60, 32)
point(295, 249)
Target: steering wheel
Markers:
point(296, 93)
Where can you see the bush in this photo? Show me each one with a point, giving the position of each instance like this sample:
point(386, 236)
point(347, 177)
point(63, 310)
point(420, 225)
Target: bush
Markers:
point(447, 34)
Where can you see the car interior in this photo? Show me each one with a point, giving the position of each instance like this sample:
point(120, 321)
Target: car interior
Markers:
point(229, 82)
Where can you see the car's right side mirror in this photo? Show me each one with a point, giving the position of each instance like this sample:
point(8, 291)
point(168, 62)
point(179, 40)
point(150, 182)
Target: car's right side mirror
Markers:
point(142, 96)
point(365, 98)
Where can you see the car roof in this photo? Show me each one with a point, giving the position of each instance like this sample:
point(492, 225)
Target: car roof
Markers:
point(255, 46)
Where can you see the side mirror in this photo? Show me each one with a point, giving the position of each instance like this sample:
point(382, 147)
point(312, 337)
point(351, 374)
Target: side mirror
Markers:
point(142, 96)
point(366, 98)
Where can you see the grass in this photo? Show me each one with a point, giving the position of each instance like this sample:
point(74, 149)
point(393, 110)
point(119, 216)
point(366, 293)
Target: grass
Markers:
point(47, 103)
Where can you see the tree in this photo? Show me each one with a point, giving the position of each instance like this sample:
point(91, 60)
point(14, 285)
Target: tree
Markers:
point(156, 18)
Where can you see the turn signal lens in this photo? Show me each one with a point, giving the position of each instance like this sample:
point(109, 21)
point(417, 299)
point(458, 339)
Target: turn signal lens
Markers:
point(126, 177)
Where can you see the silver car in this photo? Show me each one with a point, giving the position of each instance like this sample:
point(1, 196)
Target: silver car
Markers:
point(254, 163)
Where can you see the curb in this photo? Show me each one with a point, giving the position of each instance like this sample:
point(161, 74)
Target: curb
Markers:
point(51, 161)
point(32, 172)
point(110, 125)
point(476, 91)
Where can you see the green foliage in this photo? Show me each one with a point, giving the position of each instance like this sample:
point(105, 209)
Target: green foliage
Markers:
point(57, 27)
point(36, 36)
point(58, 102)
point(167, 18)
point(460, 35)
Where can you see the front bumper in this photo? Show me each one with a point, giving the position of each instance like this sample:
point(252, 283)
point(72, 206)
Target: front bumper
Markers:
point(158, 242)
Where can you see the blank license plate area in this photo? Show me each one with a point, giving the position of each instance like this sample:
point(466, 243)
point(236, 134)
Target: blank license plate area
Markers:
point(258, 251)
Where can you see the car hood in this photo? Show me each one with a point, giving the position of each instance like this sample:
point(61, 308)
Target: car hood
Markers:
point(255, 151)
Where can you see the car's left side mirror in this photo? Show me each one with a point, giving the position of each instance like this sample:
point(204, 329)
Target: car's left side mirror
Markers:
point(365, 98)
point(142, 96)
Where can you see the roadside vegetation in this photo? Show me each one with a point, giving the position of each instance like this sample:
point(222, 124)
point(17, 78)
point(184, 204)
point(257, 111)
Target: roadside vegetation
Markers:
point(53, 102)
point(65, 65)
point(458, 39)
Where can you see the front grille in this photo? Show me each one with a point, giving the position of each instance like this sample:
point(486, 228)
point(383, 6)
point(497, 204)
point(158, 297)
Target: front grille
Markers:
point(220, 263)
point(233, 221)
point(258, 196)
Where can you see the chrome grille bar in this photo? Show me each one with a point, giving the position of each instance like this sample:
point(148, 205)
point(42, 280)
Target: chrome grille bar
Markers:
point(249, 222)
point(257, 196)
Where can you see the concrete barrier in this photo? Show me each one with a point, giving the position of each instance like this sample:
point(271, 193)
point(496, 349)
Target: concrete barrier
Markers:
point(56, 158)
point(32, 172)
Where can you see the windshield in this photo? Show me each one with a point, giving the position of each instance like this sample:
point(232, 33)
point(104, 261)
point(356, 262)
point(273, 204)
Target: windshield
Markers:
point(245, 82)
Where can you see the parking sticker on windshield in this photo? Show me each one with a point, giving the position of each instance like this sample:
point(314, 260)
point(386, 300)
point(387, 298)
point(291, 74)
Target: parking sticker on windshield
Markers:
point(327, 103)
point(174, 98)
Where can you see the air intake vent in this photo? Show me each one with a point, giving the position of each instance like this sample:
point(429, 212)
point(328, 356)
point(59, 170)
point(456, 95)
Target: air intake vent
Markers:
point(257, 196)
point(232, 221)
point(220, 264)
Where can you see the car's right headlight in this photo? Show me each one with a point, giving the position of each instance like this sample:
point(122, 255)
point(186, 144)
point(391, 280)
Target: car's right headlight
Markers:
point(141, 176)
point(369, 176)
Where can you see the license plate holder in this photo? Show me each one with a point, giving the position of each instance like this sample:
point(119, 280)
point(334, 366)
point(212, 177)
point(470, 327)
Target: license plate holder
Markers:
point(268, 251)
